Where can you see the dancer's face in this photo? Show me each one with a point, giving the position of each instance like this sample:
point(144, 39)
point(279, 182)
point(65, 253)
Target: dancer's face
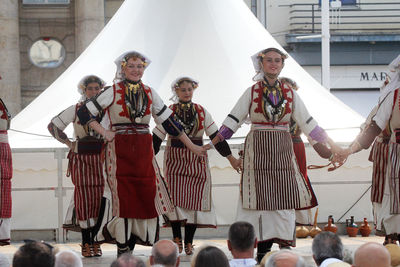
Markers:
point(134, 69)
point(272, 63)
point(92, 89)
point(185, 91)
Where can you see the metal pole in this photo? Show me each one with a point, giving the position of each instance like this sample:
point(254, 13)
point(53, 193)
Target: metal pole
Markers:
point(325, 44)
point(60, 155)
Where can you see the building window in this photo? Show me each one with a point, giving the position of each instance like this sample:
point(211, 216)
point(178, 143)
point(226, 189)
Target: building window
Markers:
point(47, 53)
point(45, 2)
point(254, 7)
point(344, 2)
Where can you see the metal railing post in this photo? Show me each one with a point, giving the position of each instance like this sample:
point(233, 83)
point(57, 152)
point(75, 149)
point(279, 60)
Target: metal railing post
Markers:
point(59, 154)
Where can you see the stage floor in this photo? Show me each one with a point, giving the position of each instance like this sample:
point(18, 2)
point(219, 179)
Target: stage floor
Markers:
point(109, 251)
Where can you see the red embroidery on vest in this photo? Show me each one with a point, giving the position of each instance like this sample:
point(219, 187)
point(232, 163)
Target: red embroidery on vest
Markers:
point(201, 114)
point(121, 101)
point(286, 90)
point(4, 115)
point(147, 90)
point(258, 99)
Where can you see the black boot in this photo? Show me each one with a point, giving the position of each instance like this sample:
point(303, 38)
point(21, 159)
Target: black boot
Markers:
point(123, 248)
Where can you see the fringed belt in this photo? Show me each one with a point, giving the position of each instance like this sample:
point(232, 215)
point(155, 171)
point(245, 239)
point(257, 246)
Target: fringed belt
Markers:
point(270, 126)
point(178, 143)
point(3, 137)
point(131, 128)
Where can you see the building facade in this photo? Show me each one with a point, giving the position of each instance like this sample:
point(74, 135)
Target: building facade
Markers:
point(40, 39)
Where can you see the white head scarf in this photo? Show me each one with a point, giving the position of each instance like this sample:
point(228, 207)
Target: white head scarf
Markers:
point(175, 85)
point(393, 79)
point(257, 62)
point(122, 59)
point(85, 81)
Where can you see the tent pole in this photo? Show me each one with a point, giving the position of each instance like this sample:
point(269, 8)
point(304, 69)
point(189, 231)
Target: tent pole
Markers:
point(325, 50)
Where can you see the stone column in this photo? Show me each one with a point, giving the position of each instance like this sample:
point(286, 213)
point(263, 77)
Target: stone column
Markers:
point(89, 21)
point(10, 86)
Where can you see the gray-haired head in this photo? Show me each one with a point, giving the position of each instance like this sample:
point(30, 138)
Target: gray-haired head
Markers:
point(128, 260)
point(327, 245)
point(165, 252)
point(68, 258)
point(285, 258)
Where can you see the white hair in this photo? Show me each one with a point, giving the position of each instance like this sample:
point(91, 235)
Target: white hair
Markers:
point(68, 258)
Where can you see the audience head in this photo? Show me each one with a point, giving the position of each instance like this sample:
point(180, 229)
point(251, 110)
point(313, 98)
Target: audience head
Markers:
point(34, 254)
point(371, 255)
point(242, 239)
point(285, 258)
point(127, 260)
point(4, 262)
point(165, 252)
point(210, 256)
point(68, 258)
point(394, 251)
point(327, 245)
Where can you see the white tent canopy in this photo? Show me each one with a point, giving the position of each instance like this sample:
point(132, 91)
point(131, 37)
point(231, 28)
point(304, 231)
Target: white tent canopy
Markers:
point(209, 40)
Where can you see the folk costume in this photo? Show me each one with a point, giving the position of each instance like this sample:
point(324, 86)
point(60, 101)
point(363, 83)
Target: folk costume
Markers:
point(272, 186)
point(85, 166)
point(6, 171)
point(384, 128)
point(139, 192)
point(188, 176)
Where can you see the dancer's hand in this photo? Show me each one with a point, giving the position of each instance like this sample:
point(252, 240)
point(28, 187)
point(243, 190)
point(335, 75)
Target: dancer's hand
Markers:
point(235, 163)
point(200, 151)
point(108, 135)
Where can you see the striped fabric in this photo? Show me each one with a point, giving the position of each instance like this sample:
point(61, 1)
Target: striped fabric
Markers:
point(379, 156)
point(272, 180)
point(189, 179)
point(394, 176)
point(5, 180)
point(87, 176)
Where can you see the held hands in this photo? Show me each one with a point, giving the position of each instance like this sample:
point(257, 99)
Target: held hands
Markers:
point(72, 145)
point(200, 151)
point(108, 135)
point(236, 163)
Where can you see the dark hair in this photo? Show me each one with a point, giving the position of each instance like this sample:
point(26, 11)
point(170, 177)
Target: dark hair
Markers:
point(211, 256)
point(242, 236)
point(92, 79)
point(327, 245)
point(128, 258)
point(34, 254)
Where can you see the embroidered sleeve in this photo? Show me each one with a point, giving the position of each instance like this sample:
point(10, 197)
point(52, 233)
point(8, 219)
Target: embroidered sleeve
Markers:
point(209, 124)
point(160, 111)
point(172, 127)
point(384, 111)
point(58, 124)
point(89, 111)
point(307, 123)
point(239, 112)
point(222, 147)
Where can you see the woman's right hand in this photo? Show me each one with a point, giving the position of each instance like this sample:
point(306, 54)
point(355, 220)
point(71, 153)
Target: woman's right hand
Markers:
point(108, 135)
point(198, 150)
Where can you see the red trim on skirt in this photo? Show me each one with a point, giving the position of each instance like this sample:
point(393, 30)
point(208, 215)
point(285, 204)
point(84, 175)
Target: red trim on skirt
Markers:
point(6, 171)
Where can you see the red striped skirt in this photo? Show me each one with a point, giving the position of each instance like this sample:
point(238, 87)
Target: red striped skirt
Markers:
point(271, 179)
point(394, 176)
point(138, 189)
point(188, 178)
point(379, 157)
point(300, 153)
point(5, 180)
point(87, 175)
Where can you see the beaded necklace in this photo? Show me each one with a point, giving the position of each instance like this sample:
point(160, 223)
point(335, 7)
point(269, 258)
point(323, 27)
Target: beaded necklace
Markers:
point(274, 101)
point(186, 115)
point(136, 100)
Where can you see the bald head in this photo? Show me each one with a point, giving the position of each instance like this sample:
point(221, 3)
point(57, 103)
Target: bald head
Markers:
point(165, 252)
point(285, 258)
point(68, 258)
point(371, 255)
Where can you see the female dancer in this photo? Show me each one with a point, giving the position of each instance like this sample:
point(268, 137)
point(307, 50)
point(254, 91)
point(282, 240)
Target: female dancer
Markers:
point(138, 190)
point(85, 164)
point(189, 180)
point(5, 176)
point(272, 186)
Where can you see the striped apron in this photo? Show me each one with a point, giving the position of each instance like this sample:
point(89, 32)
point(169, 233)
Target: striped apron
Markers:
point(271, 179)
point(379, 157)
point(5, 176)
